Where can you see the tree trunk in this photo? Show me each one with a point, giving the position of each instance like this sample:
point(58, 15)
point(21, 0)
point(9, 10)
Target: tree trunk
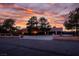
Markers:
point(76, 32)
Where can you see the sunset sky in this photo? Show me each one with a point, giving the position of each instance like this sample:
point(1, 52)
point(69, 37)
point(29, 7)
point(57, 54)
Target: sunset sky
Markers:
point(55, 12)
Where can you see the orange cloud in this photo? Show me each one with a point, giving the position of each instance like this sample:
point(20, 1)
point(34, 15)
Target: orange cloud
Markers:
point(29, 11)
point(20, 23)
point(58, 25)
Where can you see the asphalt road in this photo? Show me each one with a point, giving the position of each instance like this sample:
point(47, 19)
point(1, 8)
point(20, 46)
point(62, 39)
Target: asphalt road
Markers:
point(16, 47)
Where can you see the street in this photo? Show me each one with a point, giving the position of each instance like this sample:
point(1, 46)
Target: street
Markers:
point(27, 47)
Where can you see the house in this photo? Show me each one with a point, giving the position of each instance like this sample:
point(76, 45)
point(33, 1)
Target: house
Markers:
point(56, 30)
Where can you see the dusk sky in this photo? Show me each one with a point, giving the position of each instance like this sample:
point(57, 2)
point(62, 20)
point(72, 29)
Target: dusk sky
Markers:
point(21, 12)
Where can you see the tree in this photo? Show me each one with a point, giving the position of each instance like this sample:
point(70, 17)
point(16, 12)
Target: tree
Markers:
point(32, 23)
point(73, 21)
point(0, 28)
point(44, 25)
point(8, 24)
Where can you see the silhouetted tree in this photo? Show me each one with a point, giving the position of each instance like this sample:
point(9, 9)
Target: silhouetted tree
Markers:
point(8, 25)
point(32, 23)
point(73, 21)
point(0, 28)
point(44, 25)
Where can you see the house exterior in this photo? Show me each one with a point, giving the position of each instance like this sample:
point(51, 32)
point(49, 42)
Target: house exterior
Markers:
point(56, 30)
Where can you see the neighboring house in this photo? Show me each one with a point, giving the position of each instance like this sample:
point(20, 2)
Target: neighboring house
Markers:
point(21, 31)
point(54, 29)
point(57, 29)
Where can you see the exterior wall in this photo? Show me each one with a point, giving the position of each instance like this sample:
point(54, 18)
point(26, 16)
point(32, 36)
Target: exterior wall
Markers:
point(57, 29)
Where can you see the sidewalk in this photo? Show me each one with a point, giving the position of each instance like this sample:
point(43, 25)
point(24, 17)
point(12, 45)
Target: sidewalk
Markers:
point(64, 37)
